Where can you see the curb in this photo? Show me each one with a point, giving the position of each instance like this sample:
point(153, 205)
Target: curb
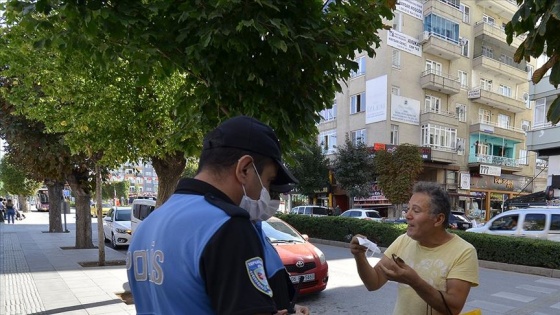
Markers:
point(539, 271)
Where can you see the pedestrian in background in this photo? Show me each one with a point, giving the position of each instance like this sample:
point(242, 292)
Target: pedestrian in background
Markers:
point(10, 211)
point(337, 210)
point(435, 269)
point(202, 252)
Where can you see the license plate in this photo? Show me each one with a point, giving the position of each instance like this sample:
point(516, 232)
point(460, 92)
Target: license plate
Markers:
point(306, 278)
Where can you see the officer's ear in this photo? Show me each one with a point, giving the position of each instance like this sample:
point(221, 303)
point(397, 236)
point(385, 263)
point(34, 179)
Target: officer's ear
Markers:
point(242, 168)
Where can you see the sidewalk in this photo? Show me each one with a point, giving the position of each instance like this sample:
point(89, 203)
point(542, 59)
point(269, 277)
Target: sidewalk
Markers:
point(37, 276)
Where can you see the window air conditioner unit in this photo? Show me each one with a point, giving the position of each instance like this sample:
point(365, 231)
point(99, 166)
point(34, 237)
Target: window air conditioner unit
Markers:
point(525, 127)
point(424, 37)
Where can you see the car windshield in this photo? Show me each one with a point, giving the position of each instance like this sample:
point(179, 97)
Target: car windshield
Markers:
point(123, 215)
point(280, 232)
point(371, 214)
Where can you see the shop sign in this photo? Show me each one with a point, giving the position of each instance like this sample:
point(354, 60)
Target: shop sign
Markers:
point(490, 170)
point(473, 94)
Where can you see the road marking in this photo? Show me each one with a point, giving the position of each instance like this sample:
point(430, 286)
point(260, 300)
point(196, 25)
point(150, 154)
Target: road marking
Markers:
point(489, 306)
point(514, 297)
point(549, 281)
point(536, 289)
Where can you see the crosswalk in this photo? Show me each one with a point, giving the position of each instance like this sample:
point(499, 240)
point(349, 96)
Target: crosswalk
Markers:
point(540, 296)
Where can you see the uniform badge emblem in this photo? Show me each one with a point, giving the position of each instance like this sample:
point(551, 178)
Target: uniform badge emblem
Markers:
point(257, 275)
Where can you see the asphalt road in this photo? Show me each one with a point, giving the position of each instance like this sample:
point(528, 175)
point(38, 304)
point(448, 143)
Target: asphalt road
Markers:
point(500, 292)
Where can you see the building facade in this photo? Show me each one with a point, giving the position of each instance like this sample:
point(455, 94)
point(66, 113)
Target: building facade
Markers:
point(444, 79)
point(141, 176)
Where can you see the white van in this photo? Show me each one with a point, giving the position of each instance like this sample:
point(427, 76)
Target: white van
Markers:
point(538, 222)
point(141, 208)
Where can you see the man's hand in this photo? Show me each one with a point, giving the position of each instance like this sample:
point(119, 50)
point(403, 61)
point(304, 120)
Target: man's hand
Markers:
point(397, 270)
point(355, 247)
point(300, 310)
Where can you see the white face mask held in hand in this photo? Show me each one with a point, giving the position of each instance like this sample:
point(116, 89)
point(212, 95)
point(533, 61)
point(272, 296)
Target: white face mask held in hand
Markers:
point(262, 209)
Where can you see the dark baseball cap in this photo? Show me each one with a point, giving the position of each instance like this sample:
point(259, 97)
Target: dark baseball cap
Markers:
point(247, 133)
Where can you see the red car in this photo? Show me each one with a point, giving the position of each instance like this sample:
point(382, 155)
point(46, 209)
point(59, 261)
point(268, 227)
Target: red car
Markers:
point(301, 258)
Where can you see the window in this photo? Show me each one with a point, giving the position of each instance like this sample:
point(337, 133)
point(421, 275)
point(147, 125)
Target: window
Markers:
point(555, 222)
point(465, 47)
point(329, 113)
point(327, 141)
point(361, 61)
point(525, 125)
point(503, 121)
point(488, 19)
point(395, 134)
point(432, 104)
point(534, 222)
point(463, 79)
point(436, 136)
point(397, 21)
point(357, 103)
point(481, 148)
point(540, 112)
point(433, 67)
point(523, 157)
point(508, 60)
point(486, 84)
point(484, 115)
point(396, 58)
point(358, 136)
point(466, 13)
point(461, 111)
point(487, 51)
point(453, 3)
point(505, 90)
point(395, 90)
point(441, 27)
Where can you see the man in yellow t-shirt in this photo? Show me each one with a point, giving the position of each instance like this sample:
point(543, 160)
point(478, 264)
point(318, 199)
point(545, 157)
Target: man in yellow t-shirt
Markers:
point(435, 269)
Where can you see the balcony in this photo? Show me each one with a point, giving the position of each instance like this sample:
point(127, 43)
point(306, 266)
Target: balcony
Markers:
point(487, 31)
point(443, 155)
point(442, 118)
point(434, 44)
point(514, 72)
point(503, 8)
point(543, 88)
point(436, 81)
point(496, 100)
point(506, 163)
point(545, 138)
point(497, 130)
point(443, 9)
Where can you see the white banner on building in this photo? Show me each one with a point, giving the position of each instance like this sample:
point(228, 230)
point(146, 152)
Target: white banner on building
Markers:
point(404, 42)
point(411, 7)
point(406, 110)
point(376, 99)
point(490, 170)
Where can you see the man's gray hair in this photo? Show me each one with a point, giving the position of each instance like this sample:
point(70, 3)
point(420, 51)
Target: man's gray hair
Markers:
point(439, 199)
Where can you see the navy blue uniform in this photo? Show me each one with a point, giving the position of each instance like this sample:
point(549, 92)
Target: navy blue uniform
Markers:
point(200, 254)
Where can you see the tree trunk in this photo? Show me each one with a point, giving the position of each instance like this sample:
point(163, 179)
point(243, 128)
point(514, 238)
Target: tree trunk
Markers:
point(22, 200)
point(99, 209)
point(83, 212)
point(169, 171)
point(55, 199)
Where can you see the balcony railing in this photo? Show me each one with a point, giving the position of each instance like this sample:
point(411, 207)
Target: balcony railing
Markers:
point(494, 160)
point(497, 125)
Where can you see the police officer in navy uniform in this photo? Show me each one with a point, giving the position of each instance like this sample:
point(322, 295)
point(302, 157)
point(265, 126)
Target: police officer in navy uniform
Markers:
point(202, 251)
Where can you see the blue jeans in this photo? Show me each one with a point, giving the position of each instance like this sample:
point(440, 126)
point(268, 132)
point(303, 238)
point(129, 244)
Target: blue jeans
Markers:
point(10, 215)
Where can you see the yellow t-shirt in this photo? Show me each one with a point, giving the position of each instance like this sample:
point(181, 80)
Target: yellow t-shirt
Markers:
point(456, 259)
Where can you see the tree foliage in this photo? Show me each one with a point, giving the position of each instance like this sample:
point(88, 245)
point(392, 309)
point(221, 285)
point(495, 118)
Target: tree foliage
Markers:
point(353, 168)
point(311, 167)
point(277, 60)
point(398, 171)
point(16, 181)
point(540, 21)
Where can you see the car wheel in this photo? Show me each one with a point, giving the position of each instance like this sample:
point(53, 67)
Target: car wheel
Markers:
point(114, 241)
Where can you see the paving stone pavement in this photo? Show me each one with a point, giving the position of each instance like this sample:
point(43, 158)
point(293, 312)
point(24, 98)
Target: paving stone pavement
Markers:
point(38, 276)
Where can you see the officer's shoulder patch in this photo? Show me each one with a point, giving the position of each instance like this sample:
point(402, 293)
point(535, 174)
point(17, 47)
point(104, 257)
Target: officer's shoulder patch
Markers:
point(257, 275)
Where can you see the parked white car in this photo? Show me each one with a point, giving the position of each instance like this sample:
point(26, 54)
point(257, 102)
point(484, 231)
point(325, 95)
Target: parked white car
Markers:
point(542, 222)
point(116, 226)
point(365, 214)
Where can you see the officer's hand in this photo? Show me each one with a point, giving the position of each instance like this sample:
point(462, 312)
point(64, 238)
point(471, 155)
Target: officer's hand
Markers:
point(301, 310)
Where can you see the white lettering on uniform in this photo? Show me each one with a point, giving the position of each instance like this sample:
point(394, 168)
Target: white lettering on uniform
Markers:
point(147, 266)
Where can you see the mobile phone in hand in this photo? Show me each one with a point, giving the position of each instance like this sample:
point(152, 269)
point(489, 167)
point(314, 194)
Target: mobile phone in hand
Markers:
point(397, 259)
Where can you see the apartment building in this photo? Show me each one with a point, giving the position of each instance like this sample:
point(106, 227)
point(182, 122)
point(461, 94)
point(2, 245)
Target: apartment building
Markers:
point(443, 79)
point(141, 176)
point(544, 138)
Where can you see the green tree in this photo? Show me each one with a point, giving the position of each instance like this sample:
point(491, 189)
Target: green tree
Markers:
point(354, 169)
point(397, 172)
point(190, 168)
point(540, 21)
point(17, 183)
point(277, 60)
point(311, 167)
